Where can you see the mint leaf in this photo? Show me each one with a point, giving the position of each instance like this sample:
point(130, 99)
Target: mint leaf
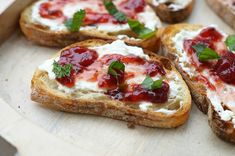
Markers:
point(61, 71)
point(75, 23)
point(140, 29)
point(112, 9)
point(205, 53)
point(230, 42)
point(114, 67)
point(157, 84)
point(149, 84)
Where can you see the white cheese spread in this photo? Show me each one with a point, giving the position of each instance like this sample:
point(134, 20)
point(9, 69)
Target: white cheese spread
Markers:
point(175, 4)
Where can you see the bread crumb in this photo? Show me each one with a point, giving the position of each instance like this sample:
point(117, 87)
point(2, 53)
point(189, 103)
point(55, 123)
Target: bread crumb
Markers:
point(131, 125)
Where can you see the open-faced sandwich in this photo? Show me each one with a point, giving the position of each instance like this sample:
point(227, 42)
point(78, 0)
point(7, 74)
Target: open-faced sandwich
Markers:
point(172, 11)
point(113, 80)
point(60, 22)
point(205, 57)
point(225, 9)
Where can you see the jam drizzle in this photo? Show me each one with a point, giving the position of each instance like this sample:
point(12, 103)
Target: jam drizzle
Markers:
point(87, 66)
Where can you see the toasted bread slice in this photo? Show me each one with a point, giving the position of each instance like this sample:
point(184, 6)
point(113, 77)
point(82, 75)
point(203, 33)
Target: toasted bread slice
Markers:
point(221, 116)
point(170, 114)
point(47, 32)
point(172, 11)
point(225, 9)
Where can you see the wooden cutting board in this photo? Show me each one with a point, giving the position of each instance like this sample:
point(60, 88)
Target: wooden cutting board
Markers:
point(36, 130)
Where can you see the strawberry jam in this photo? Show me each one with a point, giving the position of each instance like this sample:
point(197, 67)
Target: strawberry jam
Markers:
point(224, 68)
point(94, 15)
point(46, 10)
point(138, 93)
point(134, 6)
point(87, 66)
point(153, 68)
point(80, 58)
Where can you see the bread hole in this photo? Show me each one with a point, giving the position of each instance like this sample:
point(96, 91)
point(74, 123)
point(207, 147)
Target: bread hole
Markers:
point(166, 63)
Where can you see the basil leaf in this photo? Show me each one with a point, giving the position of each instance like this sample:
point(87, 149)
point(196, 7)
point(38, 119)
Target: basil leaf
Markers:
point(149, 84)
point(205, 53)
point(230, 42)
point(114, 67)
point(75, 23)
point(61, 71)
point(157, 84)
point(111, 8)
point(140, 29)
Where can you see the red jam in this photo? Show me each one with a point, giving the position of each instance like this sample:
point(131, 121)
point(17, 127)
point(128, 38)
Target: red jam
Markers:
point(138, 93)
point(153, 68)
point(52, 10)
point(80, 58)
point(224, 68)
point(46, 10)
point(87, 66)
point(131, 7)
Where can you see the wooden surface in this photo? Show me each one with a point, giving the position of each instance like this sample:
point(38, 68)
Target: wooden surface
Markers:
point(9, 14)
point(36, 130)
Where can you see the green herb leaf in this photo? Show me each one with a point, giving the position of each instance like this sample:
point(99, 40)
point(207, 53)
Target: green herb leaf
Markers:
point(75, 23)
point(61, 71)
point(204, 53)
point(114, 67)
point(149, 84)
point(230, 42)
point(111, 8)
point(140, 29)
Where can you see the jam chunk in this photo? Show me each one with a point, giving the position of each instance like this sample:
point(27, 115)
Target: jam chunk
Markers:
point(80, 58)
point(225, 68)
point(138, 94)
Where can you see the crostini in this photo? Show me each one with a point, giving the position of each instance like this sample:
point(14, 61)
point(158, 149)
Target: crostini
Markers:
point(172, 11)
point(60, 23)
point(114, 80)
point(205, 57)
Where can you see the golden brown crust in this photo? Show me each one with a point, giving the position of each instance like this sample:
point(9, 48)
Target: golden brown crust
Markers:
point(224, 130)
point(48, 96)
point(224, 10)
point(44, 36)
point(172, 16)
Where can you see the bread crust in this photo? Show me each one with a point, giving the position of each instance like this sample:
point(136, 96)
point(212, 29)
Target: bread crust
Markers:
point(172, 16)
point(44, 36)
point(52, 98)
point(224, 10)
point(224, 130)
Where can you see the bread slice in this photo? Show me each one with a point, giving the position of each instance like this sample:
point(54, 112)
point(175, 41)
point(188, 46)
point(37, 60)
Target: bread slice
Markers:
point(225, 9)
point(172, 11)
point(46, 92)
point(225, 129)
point(43, 35)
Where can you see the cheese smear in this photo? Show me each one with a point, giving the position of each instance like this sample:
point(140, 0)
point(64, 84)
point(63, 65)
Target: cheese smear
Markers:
point(147, 17)
point(175, 4)
point(117, 47)
point(218, 97)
